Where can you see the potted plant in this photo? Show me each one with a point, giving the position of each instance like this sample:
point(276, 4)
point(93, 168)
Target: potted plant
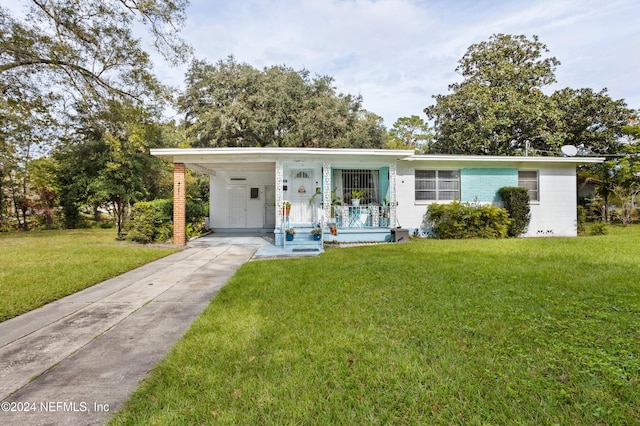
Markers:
point(356, 195)
point(317, 233)
point(286, 208)
point(289, 233)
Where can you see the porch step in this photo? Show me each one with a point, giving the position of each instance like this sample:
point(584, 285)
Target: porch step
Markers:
point(303, 236)
point(302, 241)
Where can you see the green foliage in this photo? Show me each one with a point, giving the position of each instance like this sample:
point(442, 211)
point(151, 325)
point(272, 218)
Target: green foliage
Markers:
point(516, 202)
point(460, 220)
point(147, 218)
point(88, 48)
point(61, 62)
point(106, 161)
point(410, 133)
point(193, 229)
point(66, 261)
point(590, 120)
point(196, 210)
point(474, 332)
point(358, 194)
point(500, 107)
point(581, 215)
point(151, 221)
point(235, 104)
point(625, 199)
point(599, 228)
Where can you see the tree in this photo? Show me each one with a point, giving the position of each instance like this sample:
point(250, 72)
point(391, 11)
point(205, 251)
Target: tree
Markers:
point(24, 131)
point(631, 130)
point(88, 47)
point(499, 108)
point(42, 173)
point(410, 133)
point(591, 121)
point(108, 163)
point(614, 134)
point(234, 104)
point(69, 57)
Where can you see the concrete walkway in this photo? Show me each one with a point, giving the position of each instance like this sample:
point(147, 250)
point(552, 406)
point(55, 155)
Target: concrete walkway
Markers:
point(76, 360)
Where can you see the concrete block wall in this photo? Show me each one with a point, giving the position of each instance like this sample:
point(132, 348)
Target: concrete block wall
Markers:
point(483, 184)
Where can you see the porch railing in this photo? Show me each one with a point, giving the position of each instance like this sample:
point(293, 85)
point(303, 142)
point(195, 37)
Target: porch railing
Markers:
point(371, 216)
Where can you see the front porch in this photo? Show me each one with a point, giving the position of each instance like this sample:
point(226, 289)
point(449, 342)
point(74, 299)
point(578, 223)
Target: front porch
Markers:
point(249, 188)
point(346, 224)
point(350, 201)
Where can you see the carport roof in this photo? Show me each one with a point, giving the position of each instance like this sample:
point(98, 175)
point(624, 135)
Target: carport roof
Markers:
point(189, 154)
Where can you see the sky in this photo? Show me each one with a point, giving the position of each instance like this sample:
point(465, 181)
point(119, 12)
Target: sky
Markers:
point(398, 54)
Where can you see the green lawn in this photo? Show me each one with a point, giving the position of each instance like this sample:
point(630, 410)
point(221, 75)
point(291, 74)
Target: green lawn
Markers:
point(520, 331)
point(39, 267)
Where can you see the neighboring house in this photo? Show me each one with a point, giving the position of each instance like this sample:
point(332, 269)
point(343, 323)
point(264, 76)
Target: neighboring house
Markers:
point(249, 186)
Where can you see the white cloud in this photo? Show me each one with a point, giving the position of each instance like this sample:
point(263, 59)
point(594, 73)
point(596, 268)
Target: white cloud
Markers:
point(399, 53)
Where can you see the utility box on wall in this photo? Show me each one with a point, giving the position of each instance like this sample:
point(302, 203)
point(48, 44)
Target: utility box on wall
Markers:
point(399, 235)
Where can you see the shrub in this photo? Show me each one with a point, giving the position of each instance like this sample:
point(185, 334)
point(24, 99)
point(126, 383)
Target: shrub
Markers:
point(145, 218)
point(457, 220)
point(152, 220)
point(196, 210)
point(516, 202)
point(599, 228)
point(193, 229)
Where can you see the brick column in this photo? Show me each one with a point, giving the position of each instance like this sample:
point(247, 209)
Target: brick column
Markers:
point(179, 204)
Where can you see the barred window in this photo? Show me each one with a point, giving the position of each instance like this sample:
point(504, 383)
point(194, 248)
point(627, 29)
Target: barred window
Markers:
point(437, 185)
point(366, 180)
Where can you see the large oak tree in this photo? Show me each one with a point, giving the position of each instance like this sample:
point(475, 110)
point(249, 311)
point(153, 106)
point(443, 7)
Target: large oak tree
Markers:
point(62, 60)
point(500, 107)
point(235, 104)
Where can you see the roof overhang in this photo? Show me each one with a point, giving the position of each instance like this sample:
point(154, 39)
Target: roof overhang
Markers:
point(210, 160)
point(172, 154)
point(494, 159)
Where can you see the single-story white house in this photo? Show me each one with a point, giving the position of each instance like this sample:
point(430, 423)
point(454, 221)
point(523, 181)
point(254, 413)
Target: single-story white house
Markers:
point(250, 185)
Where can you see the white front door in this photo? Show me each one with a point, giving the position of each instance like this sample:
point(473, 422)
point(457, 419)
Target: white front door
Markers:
point(302, 188)
point(237, 206)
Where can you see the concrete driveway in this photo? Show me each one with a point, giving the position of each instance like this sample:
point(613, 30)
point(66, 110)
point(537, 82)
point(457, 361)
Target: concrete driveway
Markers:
point(76, 360)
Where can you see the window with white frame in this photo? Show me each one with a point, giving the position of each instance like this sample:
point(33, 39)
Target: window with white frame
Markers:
point(529, 179)
point(437, 185)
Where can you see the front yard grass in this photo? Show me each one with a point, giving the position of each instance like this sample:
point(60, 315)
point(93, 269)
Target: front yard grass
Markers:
point(39, 267)
point(518, 331)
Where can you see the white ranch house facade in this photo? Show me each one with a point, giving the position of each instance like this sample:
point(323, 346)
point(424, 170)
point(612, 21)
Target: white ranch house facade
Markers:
point(248, 187)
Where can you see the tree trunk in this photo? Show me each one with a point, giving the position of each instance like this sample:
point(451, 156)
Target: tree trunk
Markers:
point(119, 210)
point(14, 199)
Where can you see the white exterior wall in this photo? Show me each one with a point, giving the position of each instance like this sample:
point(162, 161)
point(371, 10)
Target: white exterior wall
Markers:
point(409, 213)
point(553, 215)
point(221, 186)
